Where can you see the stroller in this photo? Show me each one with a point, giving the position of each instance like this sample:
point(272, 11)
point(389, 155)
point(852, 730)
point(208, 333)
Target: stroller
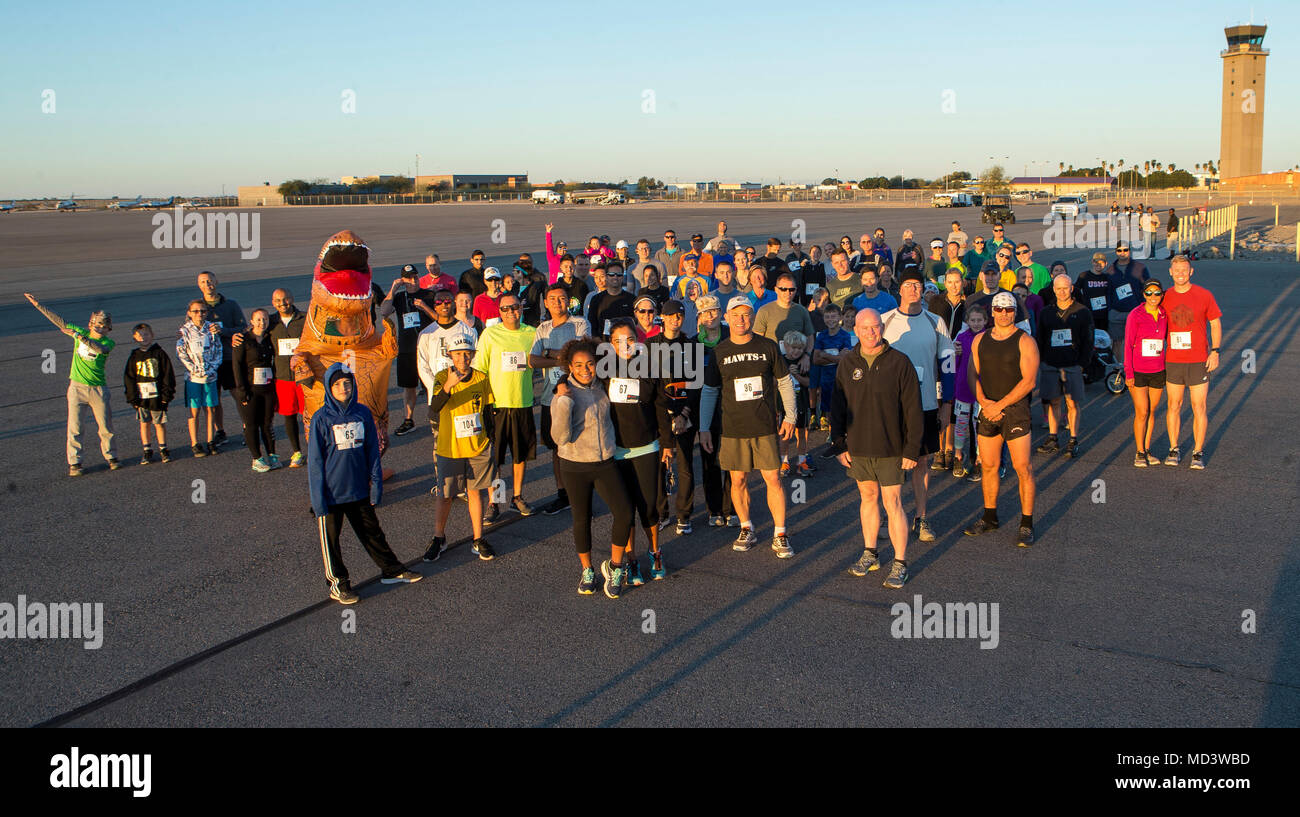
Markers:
point(1103, 365)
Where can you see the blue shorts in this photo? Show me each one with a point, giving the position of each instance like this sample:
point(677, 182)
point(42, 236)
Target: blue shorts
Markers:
point(200, 395)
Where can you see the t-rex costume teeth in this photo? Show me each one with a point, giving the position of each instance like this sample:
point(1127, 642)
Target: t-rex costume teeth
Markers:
point(338, 330)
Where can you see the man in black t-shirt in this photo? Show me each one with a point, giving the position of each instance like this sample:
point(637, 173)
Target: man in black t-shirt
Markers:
point(471, 280)
point(412, 310)
point(744, 375)
point(610, 305)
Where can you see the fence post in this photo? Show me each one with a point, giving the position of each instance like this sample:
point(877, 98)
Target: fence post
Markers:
point(1297, 242)
point(1275, 221)
point(1232, 244)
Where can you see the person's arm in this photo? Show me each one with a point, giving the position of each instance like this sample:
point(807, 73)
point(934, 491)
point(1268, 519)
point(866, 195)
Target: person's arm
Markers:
point(909, 388)
point(947, 361)
point(240, 370)
point(440, 393)
point(129, 384)
point(316, 449)
point(839, 416)
point(667, 440)
point(552, 257)
point(50, 316)
point(785, 388)
point(562, 430)
point(1131, 341)
point(1216, 341)
point(166, 379)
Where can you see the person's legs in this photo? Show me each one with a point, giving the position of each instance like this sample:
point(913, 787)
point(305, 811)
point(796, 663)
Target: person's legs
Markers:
point(408, 400)
point(684, 465)
point(869, 512)
point(361, 516)
point(1153, 402)
point(1019, 448)
point(892, 499)
point(775, 498)
point(246, 415)
point(1052, 409)
point(160, 434)
point(579, 483)
point(609, 485)
point(990, 449)
point(74, 422)
point(474, 499)
point(328, 527)
point(144, 434)
point(1200, 393)
point(1142, 410)
point(97, 396)
point(266, 405)
point(1072, 415)
point(921, 484)
point(1173, 422)
point(291, 431)
point(193, 423)
point(740, 496)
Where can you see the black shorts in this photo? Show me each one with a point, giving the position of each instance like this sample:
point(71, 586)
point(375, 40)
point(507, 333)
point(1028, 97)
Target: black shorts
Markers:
point(513, 429)
point(1014, 423)
point(408, 375)
point(930, 432)
point(1149, 380)
point(1186, 374)
point(547, 439)
point(226, 375)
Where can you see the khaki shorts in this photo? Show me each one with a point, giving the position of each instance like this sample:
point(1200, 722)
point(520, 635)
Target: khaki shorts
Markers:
point(470, 473)
point(749, 453)
point(884, 471)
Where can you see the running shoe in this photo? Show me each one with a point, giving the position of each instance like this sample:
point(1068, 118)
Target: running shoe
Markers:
point(436, 546)
point(587, 584)
point(164, 455)
point(897, 576)
point(405, 428)
point(213, 450)
point(1072, 449)
point(959, 470)
point(634, 576)
point(745, 541)
point(219, 438)
point(1026, 536)
point(523, 507)
point(976, 474)
point(556, 505)
point(491, 515)
point(1198, 460)
point(803, 469)
point(198, 450)
point(1002, 472)
point(665, 522)
point(781, 545)
point(1140, 460)
point(785, 470)
point(297, 460)
point(869, 562)
point(614, 579)
point(261, 466)
point(936, 462)
point(657, 571)
point(483, 550)
point(717, 522)
point(146, 457)
point(344, 595)
point(405, 577)
point(825, 424)
point(733, 521)
point(922, 530)
point(74, 470)
point(684, 527)
point(981, 527)
point(1175, 457)
point(1152, 459)
point(274, 462)
point(1049, 446)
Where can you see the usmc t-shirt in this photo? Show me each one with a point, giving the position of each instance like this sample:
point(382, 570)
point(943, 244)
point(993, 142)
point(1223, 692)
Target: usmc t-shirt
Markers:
point(747, 374)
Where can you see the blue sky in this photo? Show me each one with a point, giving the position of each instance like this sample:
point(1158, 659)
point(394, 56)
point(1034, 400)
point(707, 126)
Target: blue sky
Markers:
point(173, 98)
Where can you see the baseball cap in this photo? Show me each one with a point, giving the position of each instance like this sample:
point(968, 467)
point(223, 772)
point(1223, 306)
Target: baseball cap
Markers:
point(621, 244)
point(931, 287)
point(702, 304)
point(561, 245)
point(597, 261)
point(490, 273)
point(697, 237)
point(936, 243)
point(1099, 256)
point(460, 343)
point(1122, 245)
point(989, 266)
point(735, 303)
point(1004, 299)
point(910, 273)
point(408, 271)
point(672, 307)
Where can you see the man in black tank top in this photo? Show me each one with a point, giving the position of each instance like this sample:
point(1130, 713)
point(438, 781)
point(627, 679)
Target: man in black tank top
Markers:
point(1005, 361)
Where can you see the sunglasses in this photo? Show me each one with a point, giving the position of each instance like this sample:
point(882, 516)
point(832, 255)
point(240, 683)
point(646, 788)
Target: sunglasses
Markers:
point(645, 312)
point(1155, 293)
point(1004, 255)
point(1004, 309)
point(1121, 249)
point(670, 236)
point(1022, 252)
point(785, 289)
point(509, 308)
point(195, 312)
point(979, 242)
point(998, 230)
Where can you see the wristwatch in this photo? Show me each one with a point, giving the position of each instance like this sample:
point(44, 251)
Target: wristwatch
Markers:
point(1215, 350)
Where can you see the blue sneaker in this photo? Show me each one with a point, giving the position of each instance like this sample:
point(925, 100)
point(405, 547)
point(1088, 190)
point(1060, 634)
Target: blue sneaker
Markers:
point(634, 576)
point(614, 578)
point(587, 585)
point(657, 571)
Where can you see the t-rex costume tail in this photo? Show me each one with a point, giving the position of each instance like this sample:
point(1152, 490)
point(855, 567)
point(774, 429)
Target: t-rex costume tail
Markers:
point(339, 330)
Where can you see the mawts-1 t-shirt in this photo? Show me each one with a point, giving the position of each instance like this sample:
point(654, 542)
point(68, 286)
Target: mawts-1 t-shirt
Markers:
point(747, 374)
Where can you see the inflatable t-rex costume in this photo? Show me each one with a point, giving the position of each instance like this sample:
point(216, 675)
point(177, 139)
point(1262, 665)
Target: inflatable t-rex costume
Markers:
point(339, 330)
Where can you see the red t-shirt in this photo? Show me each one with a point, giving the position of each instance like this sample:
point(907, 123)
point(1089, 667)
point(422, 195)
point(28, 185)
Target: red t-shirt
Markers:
point(1189, 312)
point(427, 281)
point(485, 308)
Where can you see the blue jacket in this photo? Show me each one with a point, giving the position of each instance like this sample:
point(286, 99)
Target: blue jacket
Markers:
point(1133, 295)
point(343, 462)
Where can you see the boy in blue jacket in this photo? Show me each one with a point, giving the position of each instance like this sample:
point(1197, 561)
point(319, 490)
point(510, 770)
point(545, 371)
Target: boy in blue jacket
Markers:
point(345, 479)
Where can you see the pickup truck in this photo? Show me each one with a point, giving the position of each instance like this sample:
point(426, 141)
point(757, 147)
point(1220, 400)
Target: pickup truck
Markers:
point(1072, 206)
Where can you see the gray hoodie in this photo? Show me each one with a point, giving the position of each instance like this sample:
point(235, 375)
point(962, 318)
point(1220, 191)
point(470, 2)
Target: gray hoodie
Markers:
point(581, 425)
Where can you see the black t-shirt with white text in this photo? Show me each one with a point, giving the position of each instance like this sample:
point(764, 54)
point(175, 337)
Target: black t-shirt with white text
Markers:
point(746, 374)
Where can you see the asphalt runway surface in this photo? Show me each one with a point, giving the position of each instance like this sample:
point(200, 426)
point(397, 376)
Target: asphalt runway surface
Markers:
point(1127, 612)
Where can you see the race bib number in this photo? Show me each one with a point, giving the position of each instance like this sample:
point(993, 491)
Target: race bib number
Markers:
point(553, 375)
point(467, 425)
point(147, 390)
point(796, 387)
point(1061, 337)
point(1152, 347)
point(608, 324)
point(86, 351)
point(411, 320)
point(349, 435)
point(262, 375)
point(287, 346)
point(1124, 291)
point(513, 362)
point(809, 289)
point(624, 390)
point(832, 352)
point(1098, 303)
point(749, 388)
point(794, 265)
point(1180, 340)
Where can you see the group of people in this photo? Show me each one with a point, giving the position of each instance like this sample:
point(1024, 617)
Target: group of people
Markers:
point(915, 362)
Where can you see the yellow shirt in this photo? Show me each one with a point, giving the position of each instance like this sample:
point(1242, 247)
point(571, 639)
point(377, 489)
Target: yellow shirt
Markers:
point(462, 431)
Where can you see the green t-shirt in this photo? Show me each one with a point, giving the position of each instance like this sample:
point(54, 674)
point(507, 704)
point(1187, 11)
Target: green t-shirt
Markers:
point(503, 355)
point(842, 292)
point(87, 363)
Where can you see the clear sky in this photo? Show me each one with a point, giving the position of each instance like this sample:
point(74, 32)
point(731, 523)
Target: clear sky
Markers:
point(181, 98)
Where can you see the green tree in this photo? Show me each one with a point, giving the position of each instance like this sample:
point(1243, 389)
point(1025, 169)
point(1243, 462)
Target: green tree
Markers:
point(294, 187)
point(994, 180)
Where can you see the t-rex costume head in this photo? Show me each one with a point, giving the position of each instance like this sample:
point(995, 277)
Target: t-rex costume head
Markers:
point(339, 330)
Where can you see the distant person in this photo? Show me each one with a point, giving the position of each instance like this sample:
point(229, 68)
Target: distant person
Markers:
point(229, 320)
point(289, 398)
point(198, 348)
point(254, 392)
point(150, 385)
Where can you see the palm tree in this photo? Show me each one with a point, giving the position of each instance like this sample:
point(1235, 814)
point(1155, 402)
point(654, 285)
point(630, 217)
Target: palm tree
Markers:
point(1061, 165)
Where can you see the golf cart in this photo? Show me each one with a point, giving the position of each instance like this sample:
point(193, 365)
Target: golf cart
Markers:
point(997, 208)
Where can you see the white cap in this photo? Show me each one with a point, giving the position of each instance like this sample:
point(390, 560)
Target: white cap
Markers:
point(1004, 299)
point(740, 301)
point(621, 244)
point(491, 272)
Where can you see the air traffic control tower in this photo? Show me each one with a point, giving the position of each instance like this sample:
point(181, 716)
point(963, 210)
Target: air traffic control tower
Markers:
point(1241, 138)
